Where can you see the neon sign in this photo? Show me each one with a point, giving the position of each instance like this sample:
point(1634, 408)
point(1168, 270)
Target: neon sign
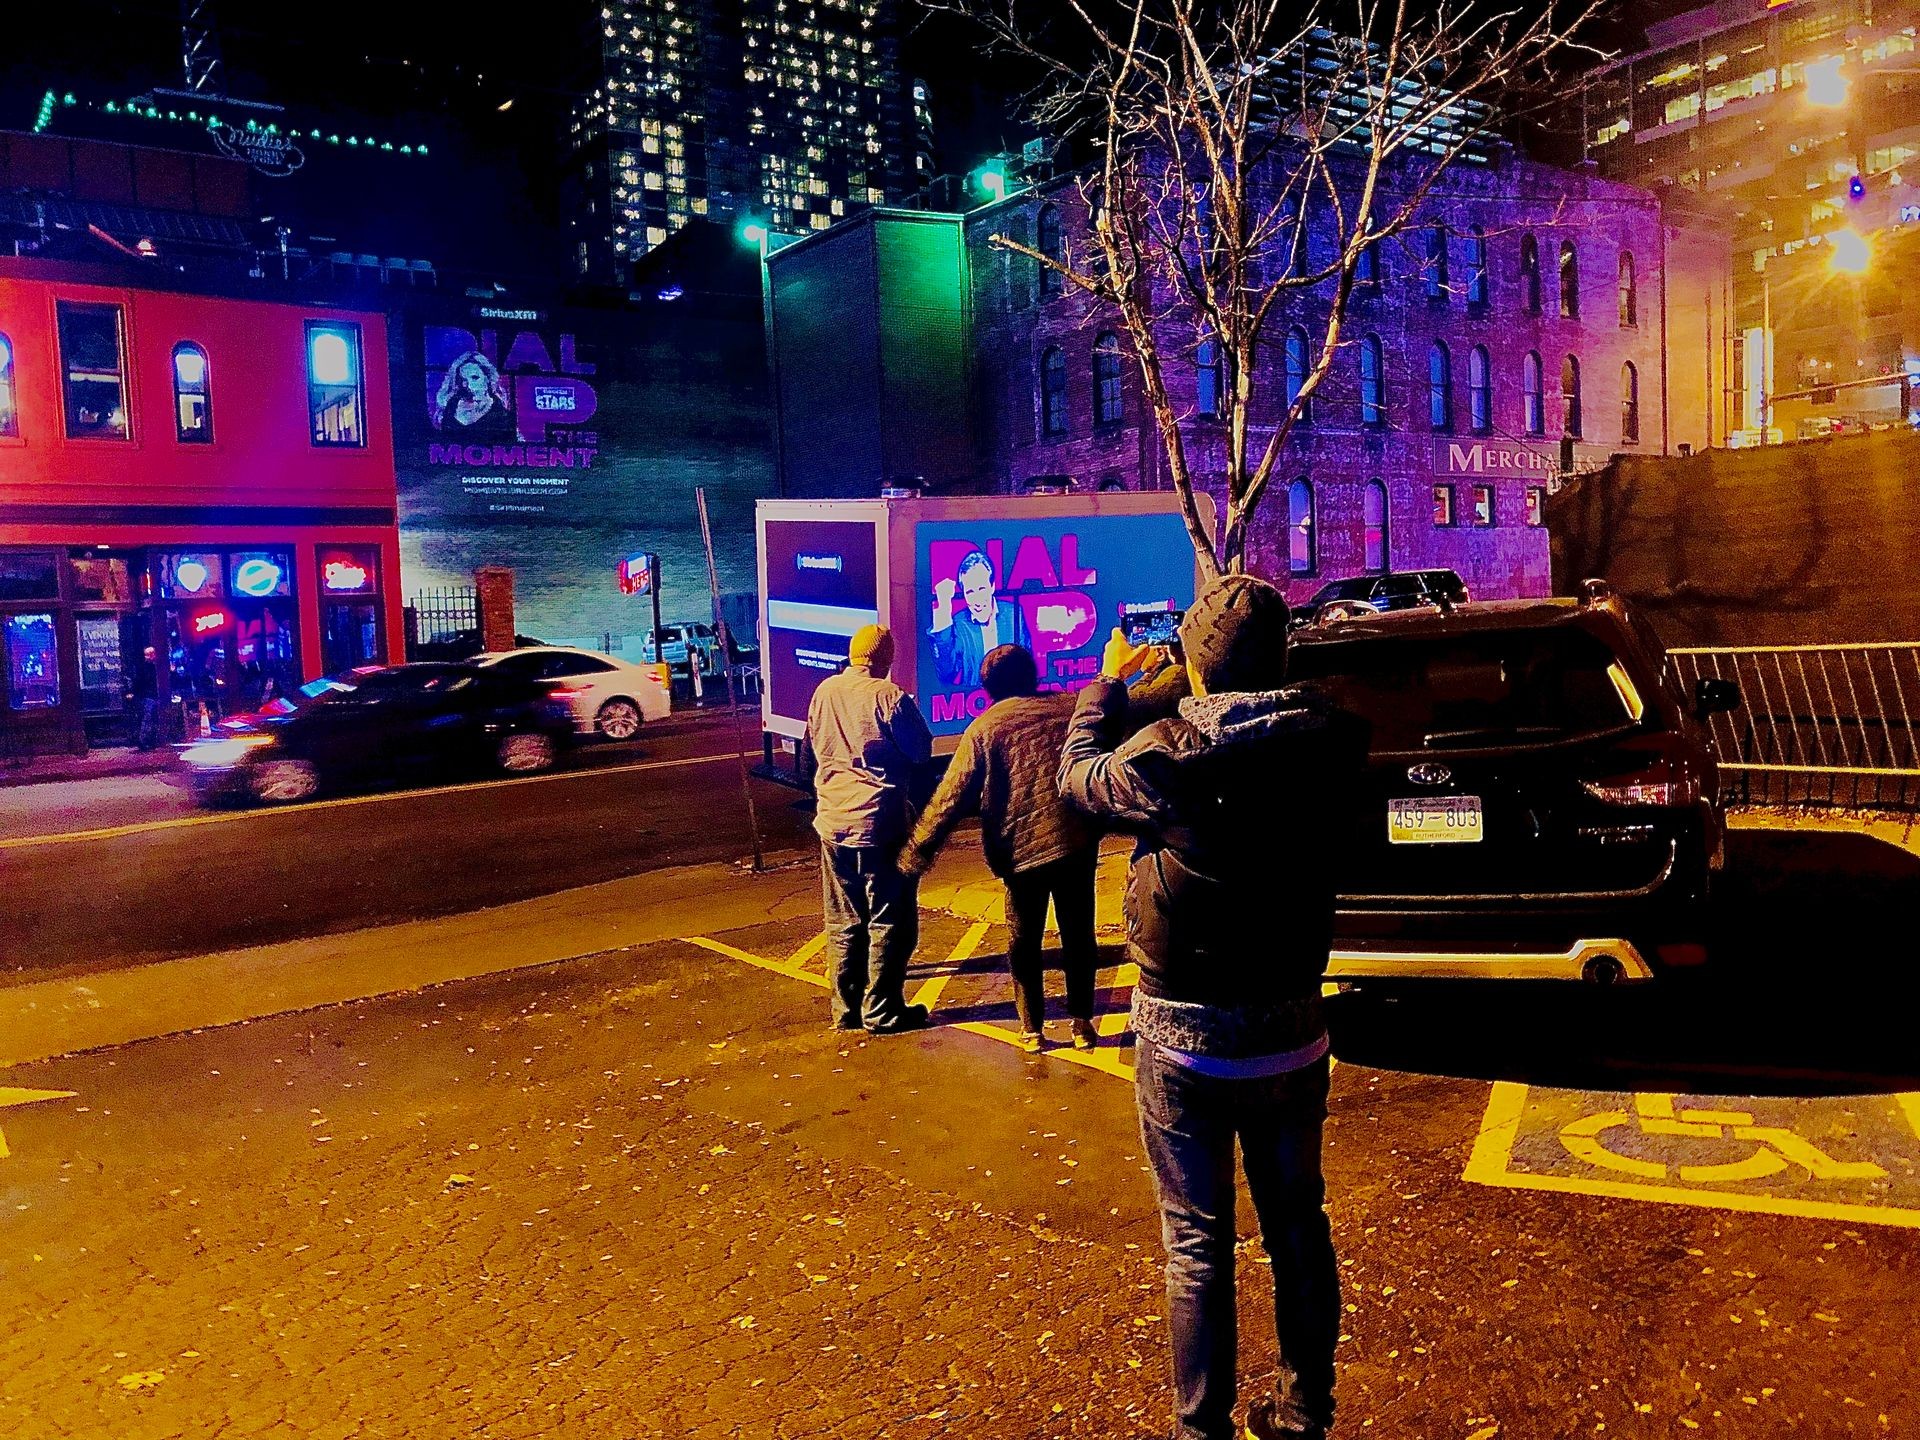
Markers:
point(190, 576)
point(344, 576)
point(256, 577)
point(207, 621)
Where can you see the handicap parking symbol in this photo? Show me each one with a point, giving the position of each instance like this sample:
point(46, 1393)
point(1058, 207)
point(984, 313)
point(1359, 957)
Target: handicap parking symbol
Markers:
point(1850, 1157)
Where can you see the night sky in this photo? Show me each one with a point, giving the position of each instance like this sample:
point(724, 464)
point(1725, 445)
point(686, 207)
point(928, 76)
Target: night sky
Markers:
point(408, 70)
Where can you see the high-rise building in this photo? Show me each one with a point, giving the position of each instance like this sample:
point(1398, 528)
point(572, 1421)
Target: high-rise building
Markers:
point(1798, 120)
point(794, 111)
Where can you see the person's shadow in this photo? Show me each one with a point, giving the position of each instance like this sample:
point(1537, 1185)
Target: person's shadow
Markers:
point(1808, 992)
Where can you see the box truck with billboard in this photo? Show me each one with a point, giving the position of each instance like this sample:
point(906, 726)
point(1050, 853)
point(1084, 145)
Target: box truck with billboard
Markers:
point(952, 576)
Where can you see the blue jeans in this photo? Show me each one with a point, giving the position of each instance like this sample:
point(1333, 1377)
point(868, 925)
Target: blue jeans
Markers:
point(1189, 1123)
point(873, 924)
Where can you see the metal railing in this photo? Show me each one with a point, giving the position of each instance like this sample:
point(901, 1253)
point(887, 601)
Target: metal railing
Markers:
point(1829, 725)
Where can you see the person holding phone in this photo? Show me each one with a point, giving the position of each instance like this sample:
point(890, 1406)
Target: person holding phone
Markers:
point(962, 636)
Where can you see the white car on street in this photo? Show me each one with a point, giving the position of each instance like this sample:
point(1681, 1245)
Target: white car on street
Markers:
point(607, 697)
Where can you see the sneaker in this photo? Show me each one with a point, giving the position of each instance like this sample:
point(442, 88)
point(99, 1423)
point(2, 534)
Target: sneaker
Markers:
point(912, 1017)
point(1085, 1037)
point(1263, 1423)
point(1032, 1041)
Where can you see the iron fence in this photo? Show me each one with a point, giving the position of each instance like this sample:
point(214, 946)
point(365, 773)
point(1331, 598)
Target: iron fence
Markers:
point(443, 623)
point(1829, 725)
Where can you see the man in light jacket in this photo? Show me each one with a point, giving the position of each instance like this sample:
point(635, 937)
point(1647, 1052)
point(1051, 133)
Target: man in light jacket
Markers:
point(869, 744)
point(1230, 904)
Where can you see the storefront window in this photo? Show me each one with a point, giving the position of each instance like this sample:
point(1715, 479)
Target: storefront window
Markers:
point(350, 607)
point(259, 574)
point(101, 577)
point(232, 629)
point(102, 666)
point(93, 360)
point(33, 664)
point(29, 575)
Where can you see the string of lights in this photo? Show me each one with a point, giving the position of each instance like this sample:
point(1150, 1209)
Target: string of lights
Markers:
point(143, 108)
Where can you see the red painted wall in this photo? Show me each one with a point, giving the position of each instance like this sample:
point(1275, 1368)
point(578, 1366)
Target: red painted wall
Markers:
point(261, 460)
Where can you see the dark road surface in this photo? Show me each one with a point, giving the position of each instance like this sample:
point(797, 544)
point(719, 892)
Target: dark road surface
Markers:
point(196, 883)
point(647, 1195)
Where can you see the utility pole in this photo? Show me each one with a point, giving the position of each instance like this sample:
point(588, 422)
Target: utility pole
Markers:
point(726, 656)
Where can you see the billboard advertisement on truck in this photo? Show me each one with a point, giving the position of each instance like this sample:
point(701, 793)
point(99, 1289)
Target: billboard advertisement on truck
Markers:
point(952, 578)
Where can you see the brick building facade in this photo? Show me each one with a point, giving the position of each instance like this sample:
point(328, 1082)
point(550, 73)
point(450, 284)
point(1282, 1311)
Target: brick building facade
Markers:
point(1571, 318)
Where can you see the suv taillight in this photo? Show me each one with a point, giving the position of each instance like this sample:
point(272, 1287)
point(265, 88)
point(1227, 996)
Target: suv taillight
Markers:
point(1657, 779)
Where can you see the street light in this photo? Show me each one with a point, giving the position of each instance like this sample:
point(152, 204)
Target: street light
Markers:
point(756, 235)
point(992, 178)
point(1849, 253)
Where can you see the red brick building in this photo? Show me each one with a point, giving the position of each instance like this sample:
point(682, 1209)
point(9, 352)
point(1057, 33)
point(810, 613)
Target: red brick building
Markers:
point(1536, 322)
point(211, 477)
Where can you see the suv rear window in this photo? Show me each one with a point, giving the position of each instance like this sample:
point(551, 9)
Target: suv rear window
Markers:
point(1472, 691)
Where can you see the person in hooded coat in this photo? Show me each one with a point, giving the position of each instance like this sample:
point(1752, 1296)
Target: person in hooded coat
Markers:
point(1230, 905)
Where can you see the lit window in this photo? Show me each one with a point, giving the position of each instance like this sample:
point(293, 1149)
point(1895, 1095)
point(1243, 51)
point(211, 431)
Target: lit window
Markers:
point(9, 408)
point(1569, 281)
point(1536, 505)
point(93, 350)
point(1629, 292)
point(1570, 397)
point(1443, 506)
point(1483, 506)
point(335, 409)
point(192, 395)
point(1629, 404)
point(1373, 528)
point(1302, 543)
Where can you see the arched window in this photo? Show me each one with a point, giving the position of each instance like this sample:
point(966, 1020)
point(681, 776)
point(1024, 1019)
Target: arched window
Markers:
point(1436, 266)
point(1375, 553)
point(9, 406)
point(1569, 281)
point(1439, 387)
point(1477, 266)
point(1302, 543)
point(1210, 379)
point(1297, 373)
point(1479, 390)
point(1373, 382)
point(1629, 404)
point(1052, 244)
point(1570, 397)
point(1115, 481)
point(192, 395)
point(1366, 266)
point(1534, 401)
point(1629, 291)
point(1053, 391)
point(1530, 274)
point(1109, 400)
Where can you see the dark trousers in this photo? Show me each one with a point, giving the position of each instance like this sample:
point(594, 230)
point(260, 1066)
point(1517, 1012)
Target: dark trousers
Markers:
point(1068, 883)
point(1189, 1123)
point(146, 722)
point(873, 923)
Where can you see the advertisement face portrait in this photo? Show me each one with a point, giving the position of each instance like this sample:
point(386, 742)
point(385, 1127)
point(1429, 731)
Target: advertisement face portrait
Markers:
point(474, 399)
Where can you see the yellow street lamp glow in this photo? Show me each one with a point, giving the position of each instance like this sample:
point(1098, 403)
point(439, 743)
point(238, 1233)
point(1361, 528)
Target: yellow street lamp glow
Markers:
point(1848, 252)
point(1825, 84)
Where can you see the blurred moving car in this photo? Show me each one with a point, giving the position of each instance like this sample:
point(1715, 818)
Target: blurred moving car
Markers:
point(606, 696)
point(1539, 801)
point(1369, 594)
point(682, 638)
point(392, 722)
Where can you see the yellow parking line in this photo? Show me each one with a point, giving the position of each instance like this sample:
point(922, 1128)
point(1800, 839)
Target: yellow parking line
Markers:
point(792, 972)
point(929, 993)
point(228, 817)
point(804, 955)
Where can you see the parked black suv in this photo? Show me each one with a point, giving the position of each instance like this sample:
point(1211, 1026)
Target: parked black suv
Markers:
point(1402, 590)
point(1539, 803)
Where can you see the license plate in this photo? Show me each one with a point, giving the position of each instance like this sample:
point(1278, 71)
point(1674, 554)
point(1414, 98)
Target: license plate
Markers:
point(1435, 820)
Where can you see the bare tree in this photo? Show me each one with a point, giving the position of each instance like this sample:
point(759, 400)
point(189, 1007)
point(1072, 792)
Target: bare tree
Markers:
point(1252, 158)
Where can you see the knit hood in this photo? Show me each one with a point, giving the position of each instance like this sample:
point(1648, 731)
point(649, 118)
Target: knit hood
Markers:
point(1236, 716)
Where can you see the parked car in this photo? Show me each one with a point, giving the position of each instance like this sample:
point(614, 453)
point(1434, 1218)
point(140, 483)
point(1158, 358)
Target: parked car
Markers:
point(606, 696)
point(391, 722)
point(678, 639)
point(1369, 594)
point(1539, 802)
